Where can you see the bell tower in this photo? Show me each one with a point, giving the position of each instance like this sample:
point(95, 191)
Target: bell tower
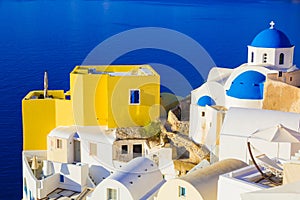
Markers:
point(271, 47)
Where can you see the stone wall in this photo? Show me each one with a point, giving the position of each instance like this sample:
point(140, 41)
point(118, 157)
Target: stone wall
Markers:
point(281, 96)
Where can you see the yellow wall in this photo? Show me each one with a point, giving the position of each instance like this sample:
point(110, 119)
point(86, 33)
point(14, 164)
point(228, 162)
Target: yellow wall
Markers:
point(96, 99)
point(120, 113)
point(40, 116)
point(101, 99)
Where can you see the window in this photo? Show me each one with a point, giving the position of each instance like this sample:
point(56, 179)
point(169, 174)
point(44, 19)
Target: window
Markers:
point(281, 59)
point(182, 192)
point(61, 178)
point(124, 149)
point(111, 194)
point(58, 143)
point(265, 58)
point(203, 114)
point(93, 149)
point(280, 74)
point(252, 57)
point(134, 97)
point(291, 78)
point(137, 150)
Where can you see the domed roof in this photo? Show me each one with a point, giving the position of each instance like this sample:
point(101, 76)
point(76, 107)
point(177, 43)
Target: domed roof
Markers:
point(247, 85)
point(271, 38)
point(206, 100)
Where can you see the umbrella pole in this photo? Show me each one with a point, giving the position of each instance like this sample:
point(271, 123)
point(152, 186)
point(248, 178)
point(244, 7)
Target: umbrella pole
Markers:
point(277, 150)
point(254, 162)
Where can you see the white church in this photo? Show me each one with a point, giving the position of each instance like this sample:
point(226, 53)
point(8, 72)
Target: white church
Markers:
point(270, 52)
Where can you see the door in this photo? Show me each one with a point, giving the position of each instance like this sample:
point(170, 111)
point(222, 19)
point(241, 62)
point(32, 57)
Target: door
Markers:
point(77, 157)
point(137, 150)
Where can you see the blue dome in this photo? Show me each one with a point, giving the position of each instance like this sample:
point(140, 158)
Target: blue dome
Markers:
point(206, 100)
point(247, 85)
point(271, 38)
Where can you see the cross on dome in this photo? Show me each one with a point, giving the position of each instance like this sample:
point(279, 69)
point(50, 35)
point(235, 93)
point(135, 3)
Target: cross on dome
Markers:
point(272, 24)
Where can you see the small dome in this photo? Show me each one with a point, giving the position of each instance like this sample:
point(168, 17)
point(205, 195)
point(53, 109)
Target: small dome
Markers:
point(247, 85)
point(271, 38)
point(206, 100)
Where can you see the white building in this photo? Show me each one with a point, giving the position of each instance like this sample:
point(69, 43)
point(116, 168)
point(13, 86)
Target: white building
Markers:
point(269, 52)
point(232, 185)
point(139, 179)
point(248, 184)
point(200, 184)
point(77, 158)
point(240, 123)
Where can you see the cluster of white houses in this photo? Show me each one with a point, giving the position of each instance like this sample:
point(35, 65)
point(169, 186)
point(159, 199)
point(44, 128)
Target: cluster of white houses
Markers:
point(229, 114)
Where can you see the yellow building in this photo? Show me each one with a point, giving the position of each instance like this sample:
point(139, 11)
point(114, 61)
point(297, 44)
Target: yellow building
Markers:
point(41, 115)
point(109, 96)
point(115, 96)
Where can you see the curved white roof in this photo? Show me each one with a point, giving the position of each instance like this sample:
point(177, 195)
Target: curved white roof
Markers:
point(219, 74)
point(243, 122)
point(65, 132)
point(141, 177)
point(96, 134)
point(201, 183)
point(212, 89)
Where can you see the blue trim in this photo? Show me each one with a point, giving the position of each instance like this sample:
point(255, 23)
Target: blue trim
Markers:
point(76, 136)
point(61, 178)
point(134, 96)
point(25, 190)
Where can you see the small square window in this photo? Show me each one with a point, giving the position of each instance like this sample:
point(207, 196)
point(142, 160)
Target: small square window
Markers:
point(134, 97)
point(124, 149)
point(58, 143)
point(182, 191)
point(93, 149)
point(111, 194)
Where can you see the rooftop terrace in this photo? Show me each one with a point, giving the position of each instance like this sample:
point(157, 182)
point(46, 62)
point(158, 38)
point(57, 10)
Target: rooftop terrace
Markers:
point(116, 70)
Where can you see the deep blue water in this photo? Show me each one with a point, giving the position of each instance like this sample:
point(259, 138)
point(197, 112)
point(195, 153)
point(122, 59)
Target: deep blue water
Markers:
point(57, 35)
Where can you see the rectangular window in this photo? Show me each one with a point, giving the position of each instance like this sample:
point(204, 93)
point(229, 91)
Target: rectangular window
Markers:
point(137, 150)
point(58, 143)
point(265, 58)
point(182, 191)
point(203, 114)
point(111, 194)
point(124, 149)
point(280, 74)
point(134, 96)
point(291, 78)
point(93, 149)
point(61, 178)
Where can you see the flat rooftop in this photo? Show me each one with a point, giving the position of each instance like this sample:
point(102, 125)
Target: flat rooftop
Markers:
point(115, 70)
point(250, 175)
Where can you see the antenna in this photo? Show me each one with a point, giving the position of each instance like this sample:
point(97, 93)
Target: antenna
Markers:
point(45, 85)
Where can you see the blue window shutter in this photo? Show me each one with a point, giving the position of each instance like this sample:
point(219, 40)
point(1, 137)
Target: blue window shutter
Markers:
point(134, 96)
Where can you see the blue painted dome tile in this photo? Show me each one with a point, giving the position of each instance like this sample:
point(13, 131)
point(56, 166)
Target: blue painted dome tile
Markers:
point(206, 100)
point(271, 38)
point(247, 85)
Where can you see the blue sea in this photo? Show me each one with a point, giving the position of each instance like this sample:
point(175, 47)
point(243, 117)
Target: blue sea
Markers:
point(56, 35)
